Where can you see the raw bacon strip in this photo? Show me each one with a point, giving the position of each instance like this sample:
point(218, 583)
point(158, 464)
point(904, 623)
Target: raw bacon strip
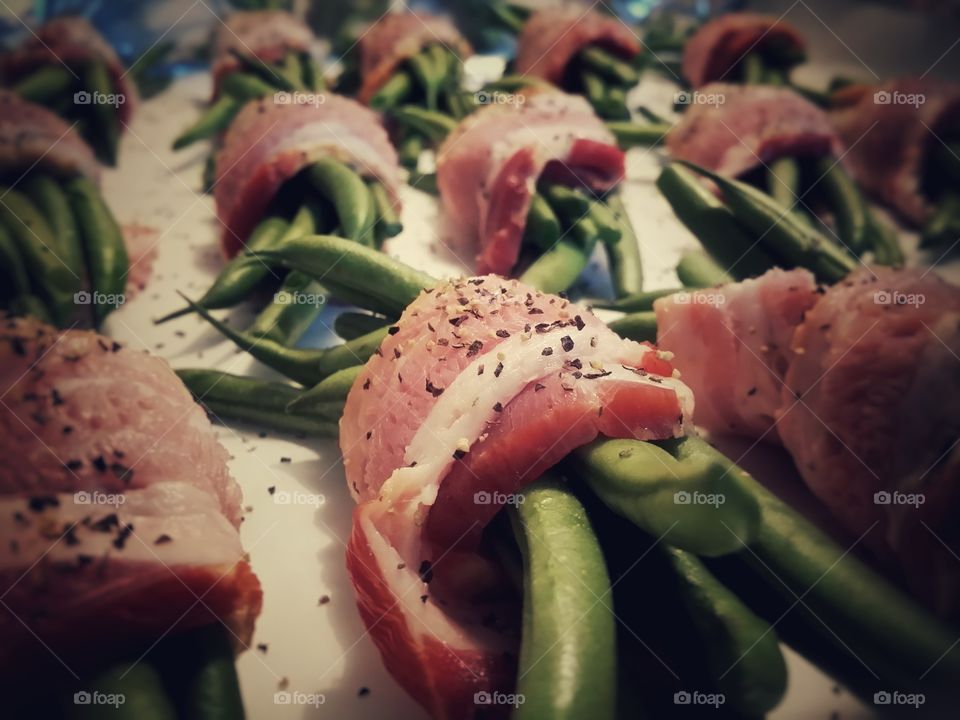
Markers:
point(551, 39)
point(265, 34)
point(751, 125)
point(396, 37)
point(890, 129)
point(485, 384)
point(89, 577)
point(488, 167)
point(875, 364)
point(30, 134)
point(713, 51)
point(858, 382)
point(70, 41)
point(269, 142)
point(83, 413)
point(731, 345)
point(120, 520)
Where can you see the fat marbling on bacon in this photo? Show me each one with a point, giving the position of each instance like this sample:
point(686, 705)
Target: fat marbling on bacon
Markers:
point(859, 382)
point(716, 48)
point(118, 511)
point(396, 37)
point(70, 42)
point(738, 128)
point(890, 130)
point(269, 142)
point(551, 39)
point(31, 135)
point(482, 385)
point(487, 169)
point(264, 34)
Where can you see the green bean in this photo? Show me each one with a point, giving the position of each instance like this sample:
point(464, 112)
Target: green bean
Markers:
point(752, 69)
point(388, 223)
point(37, 246)
point(573, 206)
point(849, 208)
point(209, 178)
point(331, 391)
point(557, 268)
point(300, 298)
point(140, 686)
point(29, 305)
point(292, 71)
point(245, 86)
point(567, 666)
point(543, 227)
point(103, 244)
point(264, 70)
point(312, 72)
point(639, 326)
point(423, 68)
point(584, 232)
point(45, 84)
point(410, 149)
point(216, 119)
point(651, 117)
point(294, 308)
point(459, 103)
point(713, 223)
point(425, 182)
point(346, 190)
point(595, 90)
point(741, 650)
point(615, 105)
point(783, 232)
point(631, 135)
point(48, 195)
point(305, 366)
point(633, 303)
point(235, 397)
point(675, 490)
point(783, 181)
point(882, 237)
point(610, 227)
point(393, 92)
point(369, 273)
point(149, 60)
point(698, 270)
point(14, 273)
point(96, 77)
point(507, 17)
point(434, 125)
point(626, 265)
point(200, 669)
point(608, 65)
point(242, 274)
point(350, 325)
point(867, 616)
point(944, 224)
point(448, 66)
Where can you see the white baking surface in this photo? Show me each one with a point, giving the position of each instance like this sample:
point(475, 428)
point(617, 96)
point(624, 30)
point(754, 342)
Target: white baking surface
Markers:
point(297, 550)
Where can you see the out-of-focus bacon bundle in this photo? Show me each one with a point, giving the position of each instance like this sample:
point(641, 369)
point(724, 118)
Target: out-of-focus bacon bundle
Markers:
point(488, 167)
point(120, 513)
point(269, 142)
